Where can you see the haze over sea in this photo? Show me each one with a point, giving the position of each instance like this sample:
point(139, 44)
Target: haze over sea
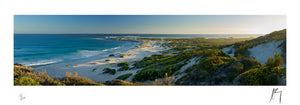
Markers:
point(42, 49)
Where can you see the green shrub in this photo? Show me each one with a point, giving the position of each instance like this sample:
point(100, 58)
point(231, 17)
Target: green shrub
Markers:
point(277, 60)
point(41, 77)
point(124, 66)
point(263, 76)
point(279, 71)
point(239, 67)
point(25, 81)
point(21, 70)
point(188, 70)
point(212, 52)
point(213, 63)
point(250, 63)
point(255, 76)
point(94, 69)
point(154, 59)
point(272, 79)
point(28, 76)
point(144, 75)
point(109, 71)
point(124, 76)
point(152, 74)
point(203, 74)
point(55, 83)
point(78, 81)
point(140, 64)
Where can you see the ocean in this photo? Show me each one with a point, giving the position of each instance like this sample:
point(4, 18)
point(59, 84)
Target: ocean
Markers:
point(43, 49)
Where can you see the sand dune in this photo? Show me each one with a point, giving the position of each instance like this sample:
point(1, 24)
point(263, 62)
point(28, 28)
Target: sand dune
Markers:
point(261, 52)
point(229, 50)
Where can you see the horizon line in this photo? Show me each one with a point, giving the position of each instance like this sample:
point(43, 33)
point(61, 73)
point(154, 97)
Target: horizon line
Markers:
point(142, 33)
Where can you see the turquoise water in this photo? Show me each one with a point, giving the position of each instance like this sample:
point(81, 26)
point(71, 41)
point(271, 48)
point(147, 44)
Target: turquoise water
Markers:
point(42, 49)
point(38, 49)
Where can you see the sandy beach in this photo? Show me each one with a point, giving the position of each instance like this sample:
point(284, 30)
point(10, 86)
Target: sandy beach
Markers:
point(93, 67)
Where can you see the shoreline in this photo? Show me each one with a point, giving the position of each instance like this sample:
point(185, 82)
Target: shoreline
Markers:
point(105, 51)
point(92, 67)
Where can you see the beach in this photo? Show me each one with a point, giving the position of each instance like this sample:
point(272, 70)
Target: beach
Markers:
point(136, 60)
point(93, 67)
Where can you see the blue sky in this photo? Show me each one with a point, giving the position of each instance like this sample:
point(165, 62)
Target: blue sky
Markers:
point(149, 24)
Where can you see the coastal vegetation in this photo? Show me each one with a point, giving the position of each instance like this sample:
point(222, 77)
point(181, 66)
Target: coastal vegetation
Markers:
point(124, 76)
point(123, 66)
point(217, 68)
point(241, 48)
point(109, 71)
point(167, 80)
point(212, 65)
point(157, 66)
point(27, 76)
point(24, 76)
point(267, 74)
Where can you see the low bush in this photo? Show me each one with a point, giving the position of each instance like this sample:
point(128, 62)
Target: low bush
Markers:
point(27, 81)
point(203, 74)
point(94, 69)
point(27, 76)
point(277, 60)
point(250, 63)
point(237, 69)
point(154, 59)
point(78, 81)
point(272, 79)
point(109, 71)
point(124, 66)
point(266, 74)
point(41, 77)
point(213, 63)
point(121, 82)
point(124, 76)
point(152, 74)
point(144, 75)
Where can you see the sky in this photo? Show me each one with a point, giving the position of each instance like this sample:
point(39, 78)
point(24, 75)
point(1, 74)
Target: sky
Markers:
point(148, 24)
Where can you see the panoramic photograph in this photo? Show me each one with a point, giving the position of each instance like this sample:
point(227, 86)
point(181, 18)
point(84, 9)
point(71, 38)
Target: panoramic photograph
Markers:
point(149, 50)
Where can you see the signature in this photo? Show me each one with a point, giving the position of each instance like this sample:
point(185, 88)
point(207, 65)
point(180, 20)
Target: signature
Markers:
point(275, 91)
point(22, 97)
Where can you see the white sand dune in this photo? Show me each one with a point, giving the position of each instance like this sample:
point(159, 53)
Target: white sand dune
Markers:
point(229, 49)
point(261, 52)
point(85, 67)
